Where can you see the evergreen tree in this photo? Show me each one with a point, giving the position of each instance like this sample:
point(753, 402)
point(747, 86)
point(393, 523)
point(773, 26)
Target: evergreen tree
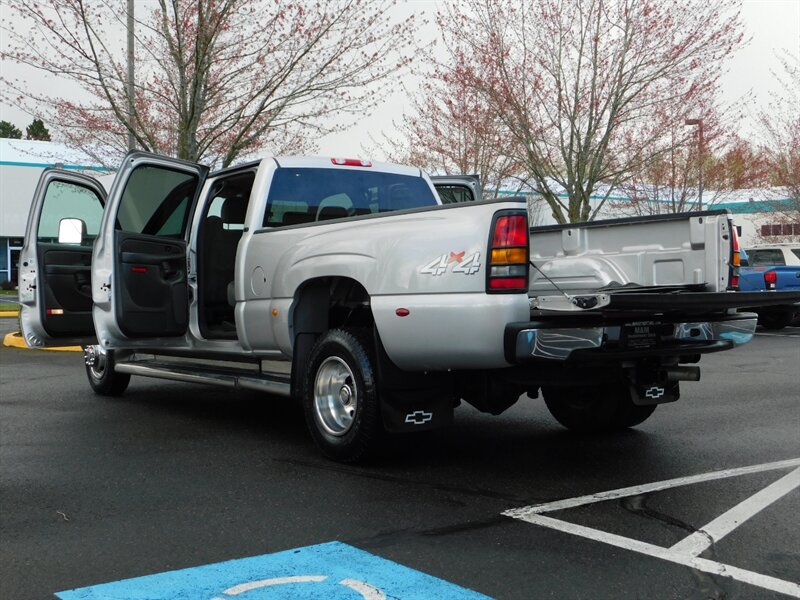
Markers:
point(37, 131)
point(8, 130)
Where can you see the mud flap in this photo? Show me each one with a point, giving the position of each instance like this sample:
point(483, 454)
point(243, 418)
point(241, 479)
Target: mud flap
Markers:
point(416, 410)
point(412, 401)
point(647, 394)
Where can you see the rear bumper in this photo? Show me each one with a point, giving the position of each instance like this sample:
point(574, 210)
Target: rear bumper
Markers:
point(599, 339)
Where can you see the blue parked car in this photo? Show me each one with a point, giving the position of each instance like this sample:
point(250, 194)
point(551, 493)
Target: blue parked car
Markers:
point(769, 278)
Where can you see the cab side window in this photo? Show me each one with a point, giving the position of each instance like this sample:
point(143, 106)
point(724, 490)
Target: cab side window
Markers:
point(454, 194)
point(65, 200)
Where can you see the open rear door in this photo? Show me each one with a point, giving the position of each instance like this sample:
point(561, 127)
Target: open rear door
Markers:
point(55, 262)
point(140, 271)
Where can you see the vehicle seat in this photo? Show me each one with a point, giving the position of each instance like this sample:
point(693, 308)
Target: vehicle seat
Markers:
point(296, 218)
point(221, 245)
point(332, 212)
point(234, 210)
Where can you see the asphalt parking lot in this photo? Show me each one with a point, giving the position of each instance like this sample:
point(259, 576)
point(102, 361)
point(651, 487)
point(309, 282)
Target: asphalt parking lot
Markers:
point(176, 476)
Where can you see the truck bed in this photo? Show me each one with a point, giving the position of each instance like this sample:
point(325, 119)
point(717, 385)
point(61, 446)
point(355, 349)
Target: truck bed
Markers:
point(690, 251)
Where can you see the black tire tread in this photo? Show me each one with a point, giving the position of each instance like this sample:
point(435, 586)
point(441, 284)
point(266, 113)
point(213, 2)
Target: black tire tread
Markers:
point(361, 441)
point(612, 409)
point(775, 320)
point(112, 383)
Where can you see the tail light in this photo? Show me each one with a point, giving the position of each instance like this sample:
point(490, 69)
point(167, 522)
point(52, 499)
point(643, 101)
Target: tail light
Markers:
point(736, 258)
point(771, 279)
point(508, 253)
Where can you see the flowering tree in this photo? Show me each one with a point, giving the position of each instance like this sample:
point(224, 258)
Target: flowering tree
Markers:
point(215, 79)
point(452, 130)
point(669, 182)
point(588, 88)
point(780, 142)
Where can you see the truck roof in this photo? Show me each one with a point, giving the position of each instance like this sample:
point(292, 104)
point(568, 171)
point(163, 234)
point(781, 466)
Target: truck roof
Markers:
point(321, 162)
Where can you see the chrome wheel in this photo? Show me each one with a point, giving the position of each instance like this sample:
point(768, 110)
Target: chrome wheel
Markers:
point(95, 361)
point(103, 377)
point(335, 396)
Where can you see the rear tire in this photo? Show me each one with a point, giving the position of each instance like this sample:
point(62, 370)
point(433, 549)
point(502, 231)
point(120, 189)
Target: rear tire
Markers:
point(595, 408)
point(775, 320)
point(340, 397)
point(103, 378)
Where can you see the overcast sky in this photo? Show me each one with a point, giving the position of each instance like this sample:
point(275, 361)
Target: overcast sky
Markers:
point(772, 24)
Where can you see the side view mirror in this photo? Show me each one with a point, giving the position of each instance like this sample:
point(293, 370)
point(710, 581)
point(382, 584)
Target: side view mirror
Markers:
point(71, 231)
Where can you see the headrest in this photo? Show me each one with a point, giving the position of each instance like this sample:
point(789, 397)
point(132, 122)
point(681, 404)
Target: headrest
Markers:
point(213, 222)
point(233, 210)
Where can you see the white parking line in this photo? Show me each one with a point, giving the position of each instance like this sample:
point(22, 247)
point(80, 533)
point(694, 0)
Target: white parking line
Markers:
point(657, 486)
point(701, 564)
point(686, 551)
point(717, 529)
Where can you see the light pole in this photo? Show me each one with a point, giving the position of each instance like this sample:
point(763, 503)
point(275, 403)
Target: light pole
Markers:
point(699, 123)
point(130, 87)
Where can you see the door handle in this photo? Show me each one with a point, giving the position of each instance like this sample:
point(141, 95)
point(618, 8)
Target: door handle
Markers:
point(168, 269)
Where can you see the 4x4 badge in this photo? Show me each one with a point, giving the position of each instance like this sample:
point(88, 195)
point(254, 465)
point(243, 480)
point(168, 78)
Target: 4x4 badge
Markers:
point(468, 265)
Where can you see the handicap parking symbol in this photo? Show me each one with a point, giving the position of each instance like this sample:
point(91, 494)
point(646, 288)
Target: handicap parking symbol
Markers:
point(334, 571)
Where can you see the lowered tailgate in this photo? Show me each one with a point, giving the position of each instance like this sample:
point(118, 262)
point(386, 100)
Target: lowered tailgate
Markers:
point(688, 250)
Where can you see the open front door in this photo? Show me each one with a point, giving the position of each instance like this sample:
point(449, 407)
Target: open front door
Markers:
point(140, 269)
point(55, 262)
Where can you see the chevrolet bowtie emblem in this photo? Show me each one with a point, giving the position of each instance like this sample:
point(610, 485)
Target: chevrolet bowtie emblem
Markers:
point(419, 417)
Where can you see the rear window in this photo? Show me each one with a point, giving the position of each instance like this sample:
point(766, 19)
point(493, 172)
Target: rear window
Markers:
point(766, 257)
point(454, 194)
point(301, 195)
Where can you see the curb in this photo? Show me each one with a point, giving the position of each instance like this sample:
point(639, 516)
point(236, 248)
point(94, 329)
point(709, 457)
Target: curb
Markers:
point(14, 340)
point(9, 313)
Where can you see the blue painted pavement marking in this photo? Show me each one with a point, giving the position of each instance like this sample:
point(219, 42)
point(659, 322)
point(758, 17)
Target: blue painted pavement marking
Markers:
point(332, 571)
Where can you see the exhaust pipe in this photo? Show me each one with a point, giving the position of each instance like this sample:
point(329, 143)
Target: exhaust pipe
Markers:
point(675, 374)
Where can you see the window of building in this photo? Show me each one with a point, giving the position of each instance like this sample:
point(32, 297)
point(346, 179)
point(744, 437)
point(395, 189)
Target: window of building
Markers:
point(776, 229)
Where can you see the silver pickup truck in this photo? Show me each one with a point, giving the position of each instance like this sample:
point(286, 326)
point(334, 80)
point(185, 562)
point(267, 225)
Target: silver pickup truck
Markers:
point(349, 286)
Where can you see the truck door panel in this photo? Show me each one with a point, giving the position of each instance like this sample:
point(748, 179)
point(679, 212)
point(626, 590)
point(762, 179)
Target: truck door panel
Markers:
point(67, 285)
point(55, 273)
point(143, 257)
point(153, 297)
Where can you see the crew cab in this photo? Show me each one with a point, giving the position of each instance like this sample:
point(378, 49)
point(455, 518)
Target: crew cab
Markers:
point(350, 287)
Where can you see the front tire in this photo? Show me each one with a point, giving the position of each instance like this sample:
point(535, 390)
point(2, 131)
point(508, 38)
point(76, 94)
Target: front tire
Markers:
point(588, 409)
point(340, 397)
point(103, 378)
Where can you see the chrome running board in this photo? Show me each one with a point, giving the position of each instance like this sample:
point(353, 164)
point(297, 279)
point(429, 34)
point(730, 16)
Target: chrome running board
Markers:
point(191, 374)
